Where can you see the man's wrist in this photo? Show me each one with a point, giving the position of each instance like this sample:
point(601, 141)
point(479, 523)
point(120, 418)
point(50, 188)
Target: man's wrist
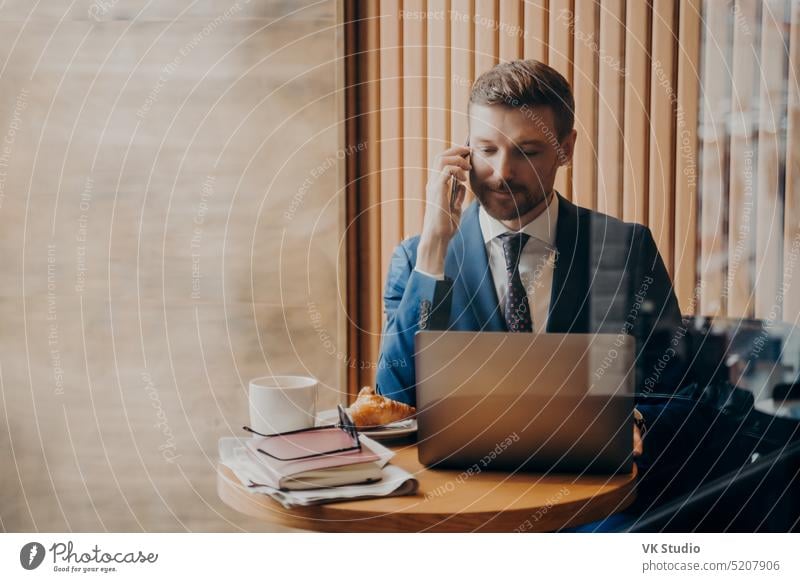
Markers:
point(430, 255)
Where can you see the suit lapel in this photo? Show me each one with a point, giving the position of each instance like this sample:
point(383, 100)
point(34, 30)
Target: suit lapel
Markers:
point(569, 293)
point(468, 265)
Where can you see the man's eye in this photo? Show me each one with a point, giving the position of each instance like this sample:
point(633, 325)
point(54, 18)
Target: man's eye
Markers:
point(486, 150)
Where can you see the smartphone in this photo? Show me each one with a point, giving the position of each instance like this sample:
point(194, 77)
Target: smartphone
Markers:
point(454, 185)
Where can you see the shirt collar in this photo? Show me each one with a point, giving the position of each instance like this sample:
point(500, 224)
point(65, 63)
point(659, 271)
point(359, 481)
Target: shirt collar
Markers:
point(543, 227)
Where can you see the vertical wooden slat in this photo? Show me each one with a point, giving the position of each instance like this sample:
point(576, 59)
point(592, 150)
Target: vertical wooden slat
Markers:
point(791, 239)
point(511, 30)
point(769, 211)
point(663, 96)
point(362, 208)
point(741, 218)
point(610, 107)
point(372, 319)
point(560, 33)
point(535, 19)
point(438, 79)
point(713, 155)
point(391, 108)
point(685, 259)
point(637, 85)
point(462, 63)
point(486, 35)
point(584, 174)
point(354, 333)
point(461, 69)
point(414, 117)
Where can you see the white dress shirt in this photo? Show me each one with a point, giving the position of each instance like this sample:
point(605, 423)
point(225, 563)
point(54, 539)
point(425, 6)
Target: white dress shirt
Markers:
point(536, 264)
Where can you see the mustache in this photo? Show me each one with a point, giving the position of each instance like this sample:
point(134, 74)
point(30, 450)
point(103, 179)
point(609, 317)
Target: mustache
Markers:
point(505, 187)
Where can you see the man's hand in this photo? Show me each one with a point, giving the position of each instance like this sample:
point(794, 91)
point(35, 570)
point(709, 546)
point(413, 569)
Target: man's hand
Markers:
point(441, 221)
point(638, 446)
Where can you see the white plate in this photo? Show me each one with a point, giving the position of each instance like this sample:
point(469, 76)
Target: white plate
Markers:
point(392, 430)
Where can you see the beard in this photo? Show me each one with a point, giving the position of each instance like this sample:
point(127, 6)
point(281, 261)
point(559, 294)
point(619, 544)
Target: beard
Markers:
point(507, 201)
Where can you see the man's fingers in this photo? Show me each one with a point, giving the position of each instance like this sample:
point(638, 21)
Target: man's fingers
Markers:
point(455, 172)
point(455, 210)
point(455, 161)
point(460, 151)
point(460, 195)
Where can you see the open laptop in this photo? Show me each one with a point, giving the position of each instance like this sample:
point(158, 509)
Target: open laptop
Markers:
point(528, 402)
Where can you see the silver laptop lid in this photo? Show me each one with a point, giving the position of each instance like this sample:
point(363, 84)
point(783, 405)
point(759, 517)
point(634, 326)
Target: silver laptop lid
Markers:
point(564, 400)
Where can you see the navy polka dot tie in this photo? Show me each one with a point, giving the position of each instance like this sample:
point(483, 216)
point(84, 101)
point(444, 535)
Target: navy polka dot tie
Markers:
point(517, 311)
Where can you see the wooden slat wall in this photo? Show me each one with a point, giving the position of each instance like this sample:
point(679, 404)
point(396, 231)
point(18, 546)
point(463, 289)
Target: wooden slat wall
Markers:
point(611, 104)
point(562, 21)
point(462, 69)
point(390, 172)
point(584, 83)
point(681, 108)
point(487, 38)
point(637, 87)
point(534, 44)
point(661, 161)
point(414, 72)
point(438, 101)
point(512, 15)
point(370, 116)
point(365, 192)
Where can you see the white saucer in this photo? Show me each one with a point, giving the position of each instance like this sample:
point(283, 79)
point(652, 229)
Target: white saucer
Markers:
point(392, 430)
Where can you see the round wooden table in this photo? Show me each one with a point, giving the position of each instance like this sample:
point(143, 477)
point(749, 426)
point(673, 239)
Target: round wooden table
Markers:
point(451, 501)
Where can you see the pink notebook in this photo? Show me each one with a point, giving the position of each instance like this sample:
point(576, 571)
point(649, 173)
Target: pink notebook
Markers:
point(344, 468)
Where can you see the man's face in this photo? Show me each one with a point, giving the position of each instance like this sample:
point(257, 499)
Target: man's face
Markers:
point(515, 156)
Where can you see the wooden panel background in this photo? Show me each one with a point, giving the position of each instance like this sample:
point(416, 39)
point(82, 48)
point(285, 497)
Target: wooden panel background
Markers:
point(687, 119)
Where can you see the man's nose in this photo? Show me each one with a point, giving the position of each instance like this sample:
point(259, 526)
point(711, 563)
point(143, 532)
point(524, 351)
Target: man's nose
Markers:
point(503, 167)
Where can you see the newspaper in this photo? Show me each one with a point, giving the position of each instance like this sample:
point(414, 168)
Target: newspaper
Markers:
point(395, 480)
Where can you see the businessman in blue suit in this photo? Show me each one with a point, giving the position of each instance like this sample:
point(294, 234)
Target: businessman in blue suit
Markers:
point(523, 258)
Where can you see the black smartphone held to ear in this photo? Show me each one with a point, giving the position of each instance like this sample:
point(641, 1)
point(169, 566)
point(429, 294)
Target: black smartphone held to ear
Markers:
point(454, 185)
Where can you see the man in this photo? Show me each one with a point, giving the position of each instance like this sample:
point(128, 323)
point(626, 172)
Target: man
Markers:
point(522, 258)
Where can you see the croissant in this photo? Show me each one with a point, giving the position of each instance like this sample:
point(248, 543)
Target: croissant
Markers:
point(372, 409)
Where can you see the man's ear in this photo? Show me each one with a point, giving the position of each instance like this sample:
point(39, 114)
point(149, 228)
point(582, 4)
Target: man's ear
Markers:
point(566, 148)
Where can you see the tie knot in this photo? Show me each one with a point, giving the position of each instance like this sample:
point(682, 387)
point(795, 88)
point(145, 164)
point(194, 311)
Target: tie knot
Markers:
point(513, 243)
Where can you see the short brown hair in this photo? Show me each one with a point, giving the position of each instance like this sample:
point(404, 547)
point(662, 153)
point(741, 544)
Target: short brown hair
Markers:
point(527, 83)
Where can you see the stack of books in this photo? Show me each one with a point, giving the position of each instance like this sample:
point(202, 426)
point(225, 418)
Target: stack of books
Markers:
point(298, 481)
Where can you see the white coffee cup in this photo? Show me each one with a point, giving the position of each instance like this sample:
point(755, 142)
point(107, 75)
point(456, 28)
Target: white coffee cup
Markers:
point(283, 403)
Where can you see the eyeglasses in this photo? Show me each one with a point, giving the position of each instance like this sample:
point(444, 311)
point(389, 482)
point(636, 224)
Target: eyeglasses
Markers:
point(345, 423)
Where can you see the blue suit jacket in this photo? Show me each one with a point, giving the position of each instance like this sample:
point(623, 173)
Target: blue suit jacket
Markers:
point(608, 278)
